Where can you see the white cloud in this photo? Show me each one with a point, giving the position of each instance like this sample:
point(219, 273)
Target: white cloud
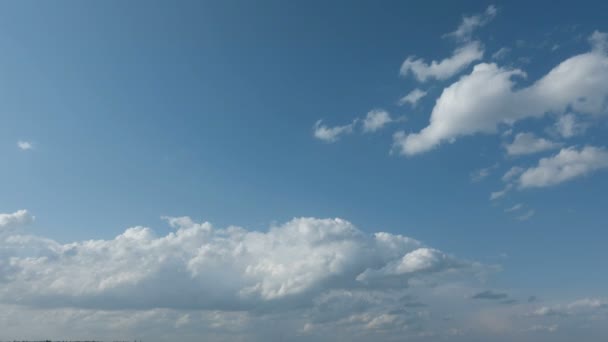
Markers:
point(18, 218)
point(528, 143)
point(287, 266)
point(481, 174)
point(512, 173)
point(412, 97)
point(375, 120)
point(25, 145)
point(528, 215)
point(569, 126)
point(501, 193)
point(470, 23)
point(480, 101)
point(516, 207)
point(331, 134)
point(568, 164)
point(460, 59)
point(501, 53)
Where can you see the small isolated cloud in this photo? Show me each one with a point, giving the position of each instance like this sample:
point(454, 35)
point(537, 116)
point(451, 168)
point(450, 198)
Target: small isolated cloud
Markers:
point(412, 97)
point(331, 134)
point(516, 207)
point(470, 23)
point(490, 295)
point(460, 59)
point(568, 164)
point(25, 145)
point(501, 53)
point(528, 143)
point(528, 215)
point(481, 174)
point(375, 120)
point(501, 193)
point(569, 126)
point(18, 218)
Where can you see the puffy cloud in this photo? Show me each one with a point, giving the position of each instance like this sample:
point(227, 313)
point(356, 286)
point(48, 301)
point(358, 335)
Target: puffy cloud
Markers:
point(419, 261)
point(528, 143)
point(200, 267)
point(470, 23)
point(412, 97)
point(331, 134)
point(480, 101)
point(25, 145)
point(460, 59)
point(18, 218)
point(375, 120)
point(568, 164)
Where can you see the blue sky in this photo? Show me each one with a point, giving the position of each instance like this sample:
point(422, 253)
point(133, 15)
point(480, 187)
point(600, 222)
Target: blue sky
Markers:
point(251, 114)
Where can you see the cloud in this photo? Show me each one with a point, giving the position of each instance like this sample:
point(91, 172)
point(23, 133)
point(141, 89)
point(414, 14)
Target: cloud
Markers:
point(460, 59)
point(501, 193)
point(331, 134)
point(412, 97)
point(578, 307)
point(512, 173)
point(285, 267)
point(481, 174)
point(516, 207)
point(568, 164)
point(490, 295)
point(375, 120)
point(16, 219)
point(470, 23)
point(25, 145)
point(501, 53)
point(528, 215)
point(547, 328)
point(528, 143)
point(488, 96)
point(569, 126)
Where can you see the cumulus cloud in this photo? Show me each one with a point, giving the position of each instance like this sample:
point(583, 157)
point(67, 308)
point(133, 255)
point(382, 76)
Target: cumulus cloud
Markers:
point(287, 266)
point(18, 218)
point(488, 96)
point(441, 70)
point(331, 134)
point(470, 23)
point(412, 97)
point(568, 164)
point(528, 143)
point(375, 120)
point(25, 145)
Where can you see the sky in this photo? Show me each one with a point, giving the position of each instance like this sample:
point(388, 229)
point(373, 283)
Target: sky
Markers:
point(304, 171)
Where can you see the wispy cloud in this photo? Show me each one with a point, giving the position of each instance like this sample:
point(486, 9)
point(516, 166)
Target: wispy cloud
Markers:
point(25, 145)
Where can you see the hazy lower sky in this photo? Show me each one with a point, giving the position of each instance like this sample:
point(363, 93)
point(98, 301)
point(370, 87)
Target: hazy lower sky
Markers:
point(304, 170)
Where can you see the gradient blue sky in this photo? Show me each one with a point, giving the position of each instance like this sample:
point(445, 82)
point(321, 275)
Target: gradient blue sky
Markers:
point(137, 110)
